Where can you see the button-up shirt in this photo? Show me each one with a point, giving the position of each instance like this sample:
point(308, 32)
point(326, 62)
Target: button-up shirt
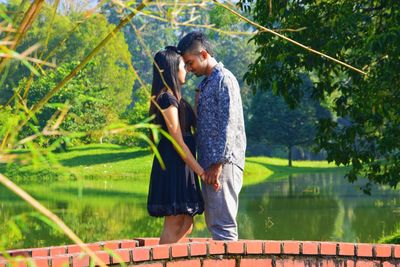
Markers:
point(221, 135)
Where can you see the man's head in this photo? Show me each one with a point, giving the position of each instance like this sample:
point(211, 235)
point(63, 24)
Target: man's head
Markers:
point(196, 52)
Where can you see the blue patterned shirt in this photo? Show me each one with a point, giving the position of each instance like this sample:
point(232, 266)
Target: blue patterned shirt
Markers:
point(221, 135)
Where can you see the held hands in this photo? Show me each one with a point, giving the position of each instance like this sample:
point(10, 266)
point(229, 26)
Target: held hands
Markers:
point(211, 176)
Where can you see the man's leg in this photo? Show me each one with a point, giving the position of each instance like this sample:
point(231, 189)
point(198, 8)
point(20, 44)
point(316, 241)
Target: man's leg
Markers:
point(221, 207)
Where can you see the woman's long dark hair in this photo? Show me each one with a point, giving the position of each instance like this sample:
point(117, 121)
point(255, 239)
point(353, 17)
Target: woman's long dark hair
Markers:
point(165, 79)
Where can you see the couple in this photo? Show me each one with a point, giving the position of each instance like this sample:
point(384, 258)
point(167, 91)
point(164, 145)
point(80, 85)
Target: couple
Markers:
point(174, 192)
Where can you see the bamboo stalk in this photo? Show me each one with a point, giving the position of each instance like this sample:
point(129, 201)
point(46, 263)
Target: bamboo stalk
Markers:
point(27, 21)
point(73, 73)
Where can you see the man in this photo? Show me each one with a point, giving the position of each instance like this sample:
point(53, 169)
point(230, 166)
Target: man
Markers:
point(221, 136)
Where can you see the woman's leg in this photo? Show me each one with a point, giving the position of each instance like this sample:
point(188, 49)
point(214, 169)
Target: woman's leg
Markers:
point(187, 227)
point(176, 228)
point(172, 229)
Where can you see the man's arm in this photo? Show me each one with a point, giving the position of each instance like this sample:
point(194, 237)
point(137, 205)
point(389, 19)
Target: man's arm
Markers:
point(220, 151)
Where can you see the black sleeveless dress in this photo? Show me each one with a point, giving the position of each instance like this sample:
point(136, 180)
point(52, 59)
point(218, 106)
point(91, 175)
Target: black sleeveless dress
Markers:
point(175, 190)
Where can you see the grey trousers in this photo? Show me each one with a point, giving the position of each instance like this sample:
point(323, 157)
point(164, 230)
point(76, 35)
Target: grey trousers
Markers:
point(221, 207)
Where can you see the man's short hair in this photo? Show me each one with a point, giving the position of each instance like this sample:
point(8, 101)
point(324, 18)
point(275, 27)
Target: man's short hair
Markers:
point(193, 42)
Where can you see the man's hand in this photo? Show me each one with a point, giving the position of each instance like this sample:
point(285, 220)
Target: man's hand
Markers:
point(213, 173)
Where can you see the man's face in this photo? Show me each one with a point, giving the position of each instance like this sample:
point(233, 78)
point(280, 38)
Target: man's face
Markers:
point(195, 62)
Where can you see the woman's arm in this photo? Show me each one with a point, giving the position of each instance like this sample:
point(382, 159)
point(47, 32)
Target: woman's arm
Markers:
point(172, 120)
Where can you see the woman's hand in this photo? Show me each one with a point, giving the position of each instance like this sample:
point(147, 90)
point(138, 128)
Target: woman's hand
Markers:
point(217, 186)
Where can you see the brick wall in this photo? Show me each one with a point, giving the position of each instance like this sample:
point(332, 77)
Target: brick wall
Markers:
point(203, 252)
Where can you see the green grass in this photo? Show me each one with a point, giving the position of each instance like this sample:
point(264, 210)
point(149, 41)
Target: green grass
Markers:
point(107, 161)
point(258, 169)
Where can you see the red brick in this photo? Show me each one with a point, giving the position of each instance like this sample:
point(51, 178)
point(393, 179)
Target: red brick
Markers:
point(397, 251)
point(291, 247)
point(141, 254)
point(255, 262)
point(191, 263)
point(115, 244)
point(2, 263)
point(216, 247)
point(161, 252)
point(121, 255)
point(329, 263)
point(198, 249)
point(40, 252)
point(72, 249)
point(104, 256)
point(310, 248)
point(80, 260)
point(254, 247)
point(350, 263)
point(383, 251)
point(367, 263)
point(235, 247)
point(152, 265)
point(346, 249)
point(179, 250)
point(388, 264)
point(290, 263)
point(200, 239)
point(129, 243)
point(19, 252)
point(364, 250)
point(219, 263)
point(272, 247)
point(57, 250)
point(60, 261)
point(328, 248)
point(41, 261)
point(185, 240)
point(150, 241)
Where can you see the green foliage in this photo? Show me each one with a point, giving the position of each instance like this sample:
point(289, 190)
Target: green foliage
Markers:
point(8, 120)
point(364, 131)
point(391, 239)
point(222, 18)
point(273, 122)
point(139, 110)
point(90, 106)
point(110, 71)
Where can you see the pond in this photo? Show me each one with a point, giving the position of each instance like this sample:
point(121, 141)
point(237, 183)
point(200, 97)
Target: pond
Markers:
point(318, 206)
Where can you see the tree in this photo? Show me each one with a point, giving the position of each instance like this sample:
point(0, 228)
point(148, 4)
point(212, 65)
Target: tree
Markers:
point(89, 109)
point(365, 35)
point(110, 70)
point(273, 122)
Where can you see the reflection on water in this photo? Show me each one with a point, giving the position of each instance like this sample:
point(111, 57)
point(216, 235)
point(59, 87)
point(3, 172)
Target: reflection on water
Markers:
point(317, 207)
point(303, 207)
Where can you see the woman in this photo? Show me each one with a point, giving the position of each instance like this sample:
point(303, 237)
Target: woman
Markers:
point(174, 192)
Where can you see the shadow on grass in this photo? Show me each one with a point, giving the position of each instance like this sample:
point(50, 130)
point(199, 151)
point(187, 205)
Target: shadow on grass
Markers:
point(88, 160)
point(96, 147)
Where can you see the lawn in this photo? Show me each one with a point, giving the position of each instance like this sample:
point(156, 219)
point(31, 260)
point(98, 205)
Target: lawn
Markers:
point(107, 161)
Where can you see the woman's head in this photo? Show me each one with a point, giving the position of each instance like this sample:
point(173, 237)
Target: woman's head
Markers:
point(168, 72)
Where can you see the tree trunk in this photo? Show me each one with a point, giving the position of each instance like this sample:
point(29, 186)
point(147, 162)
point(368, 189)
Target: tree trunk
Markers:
point(290, 156)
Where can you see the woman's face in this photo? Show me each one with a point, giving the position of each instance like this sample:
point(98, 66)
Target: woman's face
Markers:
point(182, 71)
